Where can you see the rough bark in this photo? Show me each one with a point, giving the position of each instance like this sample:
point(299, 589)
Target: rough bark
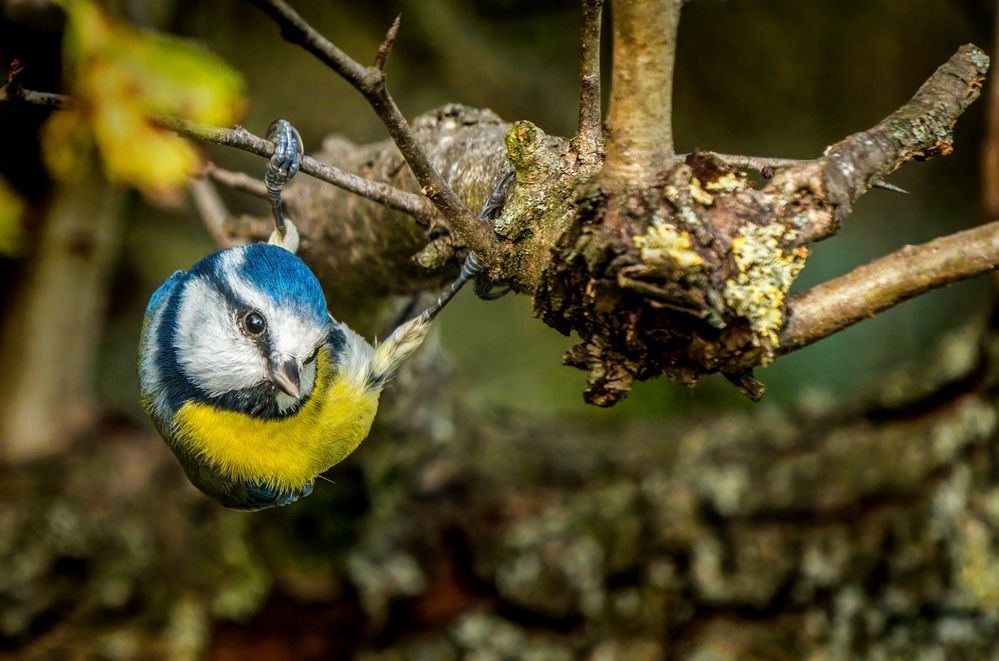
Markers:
point(683, 278)
point(843, 532)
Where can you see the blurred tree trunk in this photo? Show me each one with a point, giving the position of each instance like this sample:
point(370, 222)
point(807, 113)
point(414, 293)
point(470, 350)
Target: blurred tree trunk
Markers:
point(51, 333)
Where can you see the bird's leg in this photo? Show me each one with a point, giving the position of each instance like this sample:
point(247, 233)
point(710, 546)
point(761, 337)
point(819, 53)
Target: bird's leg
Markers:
point(473, 268)
point(283, 165)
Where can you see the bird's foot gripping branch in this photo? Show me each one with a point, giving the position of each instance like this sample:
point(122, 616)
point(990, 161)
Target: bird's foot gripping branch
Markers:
point(692, 275)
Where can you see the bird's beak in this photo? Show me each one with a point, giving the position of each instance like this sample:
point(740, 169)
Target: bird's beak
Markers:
point(286, 375)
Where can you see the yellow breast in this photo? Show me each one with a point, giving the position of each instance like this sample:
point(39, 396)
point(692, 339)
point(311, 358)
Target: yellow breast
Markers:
point(283, 453)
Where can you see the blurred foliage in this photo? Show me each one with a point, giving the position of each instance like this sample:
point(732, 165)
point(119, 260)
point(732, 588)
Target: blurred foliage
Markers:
point(122, 79)
point(11, 209)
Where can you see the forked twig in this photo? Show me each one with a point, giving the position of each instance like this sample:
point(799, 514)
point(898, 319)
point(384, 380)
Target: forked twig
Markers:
point(370, 82)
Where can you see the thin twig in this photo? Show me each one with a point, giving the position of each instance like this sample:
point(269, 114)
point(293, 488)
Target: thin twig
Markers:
point(238, 181)
point(12, 90)
point(870, 289)
point(386, 46)
point(821, 193)
point(766, 165)
point(589, 133)
point(370, 82)
point(212, 210)
point(239, 138)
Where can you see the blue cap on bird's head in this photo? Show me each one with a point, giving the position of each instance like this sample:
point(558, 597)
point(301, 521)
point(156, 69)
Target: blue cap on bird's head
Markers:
point(271, 269)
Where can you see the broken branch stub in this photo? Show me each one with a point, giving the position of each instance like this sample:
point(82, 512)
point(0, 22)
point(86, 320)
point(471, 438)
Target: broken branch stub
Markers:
point(691, 275)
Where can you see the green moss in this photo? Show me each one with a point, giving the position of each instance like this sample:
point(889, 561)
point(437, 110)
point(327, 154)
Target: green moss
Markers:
point(520, 142)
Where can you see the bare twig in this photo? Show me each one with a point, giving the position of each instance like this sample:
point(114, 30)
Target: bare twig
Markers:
point(239, 181)
point(589, 134)
point(639, 122)
point(766, 166)
point(212, 210)
point(885, 282)
point(12, 90)
point(386, 46)
point(370, 82)
point(239, 138)
point(817, 195)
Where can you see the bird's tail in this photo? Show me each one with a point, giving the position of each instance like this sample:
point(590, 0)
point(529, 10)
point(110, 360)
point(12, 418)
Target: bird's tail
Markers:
point(400, 345)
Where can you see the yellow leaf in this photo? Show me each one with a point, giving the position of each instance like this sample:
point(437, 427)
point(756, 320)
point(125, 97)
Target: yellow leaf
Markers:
point(11, 209)
point(123, 79)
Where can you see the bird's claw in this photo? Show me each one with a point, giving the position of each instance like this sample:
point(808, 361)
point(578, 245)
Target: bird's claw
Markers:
point(263, 496)
point(288, 152)
point(283, 165)
point(490, 211)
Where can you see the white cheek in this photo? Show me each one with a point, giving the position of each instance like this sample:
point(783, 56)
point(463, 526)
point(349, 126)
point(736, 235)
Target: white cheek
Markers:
point(210, 348)
point(293, 336)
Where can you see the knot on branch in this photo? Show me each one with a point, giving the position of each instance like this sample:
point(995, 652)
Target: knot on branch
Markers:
point(683, 279)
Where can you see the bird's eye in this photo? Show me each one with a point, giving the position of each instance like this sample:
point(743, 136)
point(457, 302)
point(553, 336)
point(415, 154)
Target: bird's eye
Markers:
point(253, 323)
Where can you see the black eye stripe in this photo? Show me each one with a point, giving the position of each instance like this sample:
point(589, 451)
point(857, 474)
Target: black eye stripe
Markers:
point(313, 356)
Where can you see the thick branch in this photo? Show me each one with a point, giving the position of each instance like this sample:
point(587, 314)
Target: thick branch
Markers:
point(639, 123)
point(873, 288)
point(370, 82)
point(589, 135)
point(816, 196)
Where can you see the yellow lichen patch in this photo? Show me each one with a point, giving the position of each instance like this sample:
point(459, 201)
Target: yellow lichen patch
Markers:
point(663, 242)
point(698, 194)
point(765, 277)
point(728, 183)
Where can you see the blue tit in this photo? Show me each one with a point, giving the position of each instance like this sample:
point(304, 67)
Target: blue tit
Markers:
point(252, 383)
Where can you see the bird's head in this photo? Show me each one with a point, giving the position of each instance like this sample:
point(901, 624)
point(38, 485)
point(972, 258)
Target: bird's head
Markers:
point(248, 328)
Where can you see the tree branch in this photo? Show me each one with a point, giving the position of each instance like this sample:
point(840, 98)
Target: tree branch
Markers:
point(816, 196)
point(212, 210)
point(238, 181)
point(370, 82)
point(767, 166)
point(589, 134)
point(873, 288)
point(639, 123)
point(240, 138)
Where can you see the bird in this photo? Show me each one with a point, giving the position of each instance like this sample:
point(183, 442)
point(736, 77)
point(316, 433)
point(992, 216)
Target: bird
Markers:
point(253, 384)
point(255, 387)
